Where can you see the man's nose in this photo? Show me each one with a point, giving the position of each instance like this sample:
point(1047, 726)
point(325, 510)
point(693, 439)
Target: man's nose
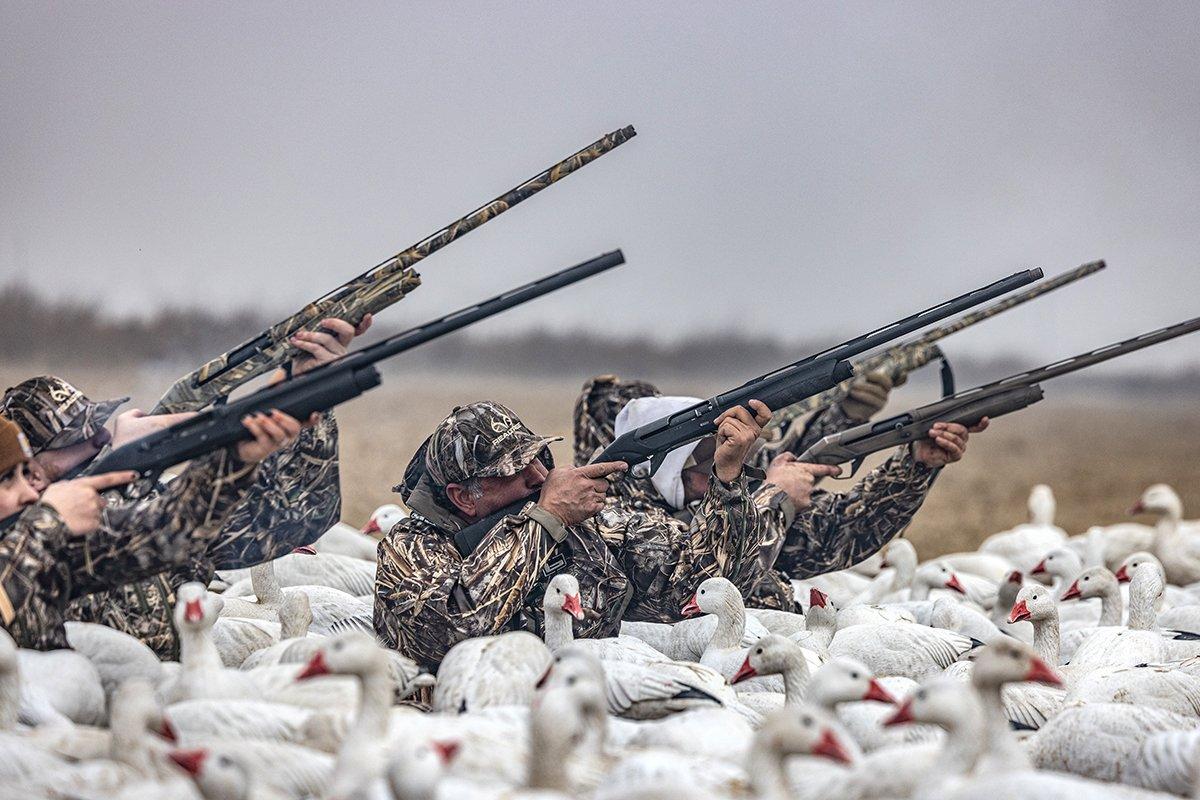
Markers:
point(27, 495)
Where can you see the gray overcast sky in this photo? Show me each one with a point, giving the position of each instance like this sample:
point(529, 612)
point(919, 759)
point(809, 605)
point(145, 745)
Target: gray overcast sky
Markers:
point(801, 169)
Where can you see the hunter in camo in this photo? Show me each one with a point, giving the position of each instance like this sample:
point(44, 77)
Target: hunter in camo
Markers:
point(52, 413)
point(632, 561)
point(44, 566)
point(294, 498)
point(838, 530)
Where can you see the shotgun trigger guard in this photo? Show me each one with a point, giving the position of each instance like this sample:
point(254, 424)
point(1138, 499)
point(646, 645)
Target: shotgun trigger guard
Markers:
point(947, 377)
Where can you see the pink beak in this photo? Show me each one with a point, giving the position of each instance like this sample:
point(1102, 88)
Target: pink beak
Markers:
point(1020, 611)
point(1122, 575)
point(1040, 672)
point(193, 611)
point(316, 666)
point(447, 750)
point(692, 608)
point(190, 760)
point(1039, 569)
point(1072, 591)
point(1137, 508)
point(831, 747)
point(572, 606)
point(305, 550)
point(817, 598)
point(744, 671)
point(1014, 577)
point(875, 691)
point(167, 731)
point(902, 715)
point(372, 526)
point(953, 583)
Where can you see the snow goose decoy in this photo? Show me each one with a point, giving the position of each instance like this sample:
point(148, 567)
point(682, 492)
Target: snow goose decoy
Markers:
point(1175, 548)
point(220, 773)
point(1021, 544)
point(490, 671)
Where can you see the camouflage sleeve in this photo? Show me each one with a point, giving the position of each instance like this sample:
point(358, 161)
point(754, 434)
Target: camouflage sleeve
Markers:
point(32, 578)
point(734, 533)
point(841, 529)
point(803, 434)
point(427, 597)
point(296, 498)
point(144, 536)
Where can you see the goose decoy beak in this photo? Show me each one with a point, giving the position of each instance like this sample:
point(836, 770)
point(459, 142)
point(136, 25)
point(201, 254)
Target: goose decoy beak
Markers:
point(372, 526)
point(316, 666)
point(1040, 569)
point(193, 611)
point(692, 608)
point(817, 598)
point(1072, 592)
point(744, 671)
point(446, 750)
point(305, 550)
point(167, 731)
point(1040, 672)
point(1137, 508)
point(1123, 575)
point(875, 691)
point(831, 747)
point(573, 606)
point(952, 583)
point(901, 715)
point(190, 760)
point(1019, 612)
point(1015, 577)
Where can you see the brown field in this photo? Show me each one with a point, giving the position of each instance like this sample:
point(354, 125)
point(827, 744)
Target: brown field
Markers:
point(1097, 455)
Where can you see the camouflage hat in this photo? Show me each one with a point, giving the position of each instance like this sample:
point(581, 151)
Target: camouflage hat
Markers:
point(482, 440)
point(14, 447)
point(54, 414)
point(596, 409)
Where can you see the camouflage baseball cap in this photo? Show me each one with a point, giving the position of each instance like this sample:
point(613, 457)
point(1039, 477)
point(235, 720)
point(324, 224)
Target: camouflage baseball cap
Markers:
point(482, 440)
point(53, 413)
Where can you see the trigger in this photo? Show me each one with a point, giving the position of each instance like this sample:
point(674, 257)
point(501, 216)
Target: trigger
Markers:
point(656, 461)
point(854, 465)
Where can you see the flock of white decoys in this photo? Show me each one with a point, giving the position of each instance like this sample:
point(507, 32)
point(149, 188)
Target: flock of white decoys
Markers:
point(1040, 666)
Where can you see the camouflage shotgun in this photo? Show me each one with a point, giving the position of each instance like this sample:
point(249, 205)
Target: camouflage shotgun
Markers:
point(898, 361)
point(970, 406)
point(325, 386)
point(374, 290)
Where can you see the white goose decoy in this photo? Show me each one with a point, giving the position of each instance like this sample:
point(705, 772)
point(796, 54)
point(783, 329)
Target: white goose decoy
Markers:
point(220, 773)
point(20, 757)
point(686, 639)
point(117, 656)
point(240, 719)
point(562, 604)
point(346, 540)
point(1138, 642)
point(912, 651)
point(1023, 544)
point(1166, 762)
point(804, 732)
point(361, 760)
point(724, 653)
point(1176, 548)
point(418, 768)
point(1094, 583)
point(237, 638)
point(201, 674)
point(354, 576)
point(333, 610)
point(490, 671)
point(899, 564)
point(60, 686)
point(1006, 598)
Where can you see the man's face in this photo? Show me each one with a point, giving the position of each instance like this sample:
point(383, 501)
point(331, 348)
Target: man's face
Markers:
point(501, 492)
point(15, 491)
point(52, 465)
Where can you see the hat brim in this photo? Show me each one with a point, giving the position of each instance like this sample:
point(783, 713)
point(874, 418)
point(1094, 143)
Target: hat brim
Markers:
point(86, 424)
point(518, 458)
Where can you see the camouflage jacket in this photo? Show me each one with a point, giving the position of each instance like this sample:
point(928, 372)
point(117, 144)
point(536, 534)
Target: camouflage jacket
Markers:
point(294, 499)
point(632, 562)
point(842, 529)
point(42, 567)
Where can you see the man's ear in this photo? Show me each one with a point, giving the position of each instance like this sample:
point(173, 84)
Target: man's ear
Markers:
point(461, 498)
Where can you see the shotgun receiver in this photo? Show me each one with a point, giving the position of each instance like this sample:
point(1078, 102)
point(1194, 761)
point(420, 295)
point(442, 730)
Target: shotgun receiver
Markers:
point(970, 406)
point(374, 290)
point(323, 387)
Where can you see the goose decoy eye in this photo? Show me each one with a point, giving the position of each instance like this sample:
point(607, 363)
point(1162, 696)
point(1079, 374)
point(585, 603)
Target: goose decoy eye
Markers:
point(807, 720)
point(338, 645)
point(571, 681)
point(1086, 578)
point(701, 591)
point(758, 651)
point(224, 761)
point(854, 675)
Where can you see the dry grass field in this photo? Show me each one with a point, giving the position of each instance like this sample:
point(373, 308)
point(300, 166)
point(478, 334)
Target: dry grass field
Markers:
point(1097, 456)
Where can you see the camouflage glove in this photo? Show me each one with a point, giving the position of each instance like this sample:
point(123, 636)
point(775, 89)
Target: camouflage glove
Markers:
point(867, 396)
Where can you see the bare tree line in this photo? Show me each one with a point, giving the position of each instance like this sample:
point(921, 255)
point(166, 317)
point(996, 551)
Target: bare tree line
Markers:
point(70, 333)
